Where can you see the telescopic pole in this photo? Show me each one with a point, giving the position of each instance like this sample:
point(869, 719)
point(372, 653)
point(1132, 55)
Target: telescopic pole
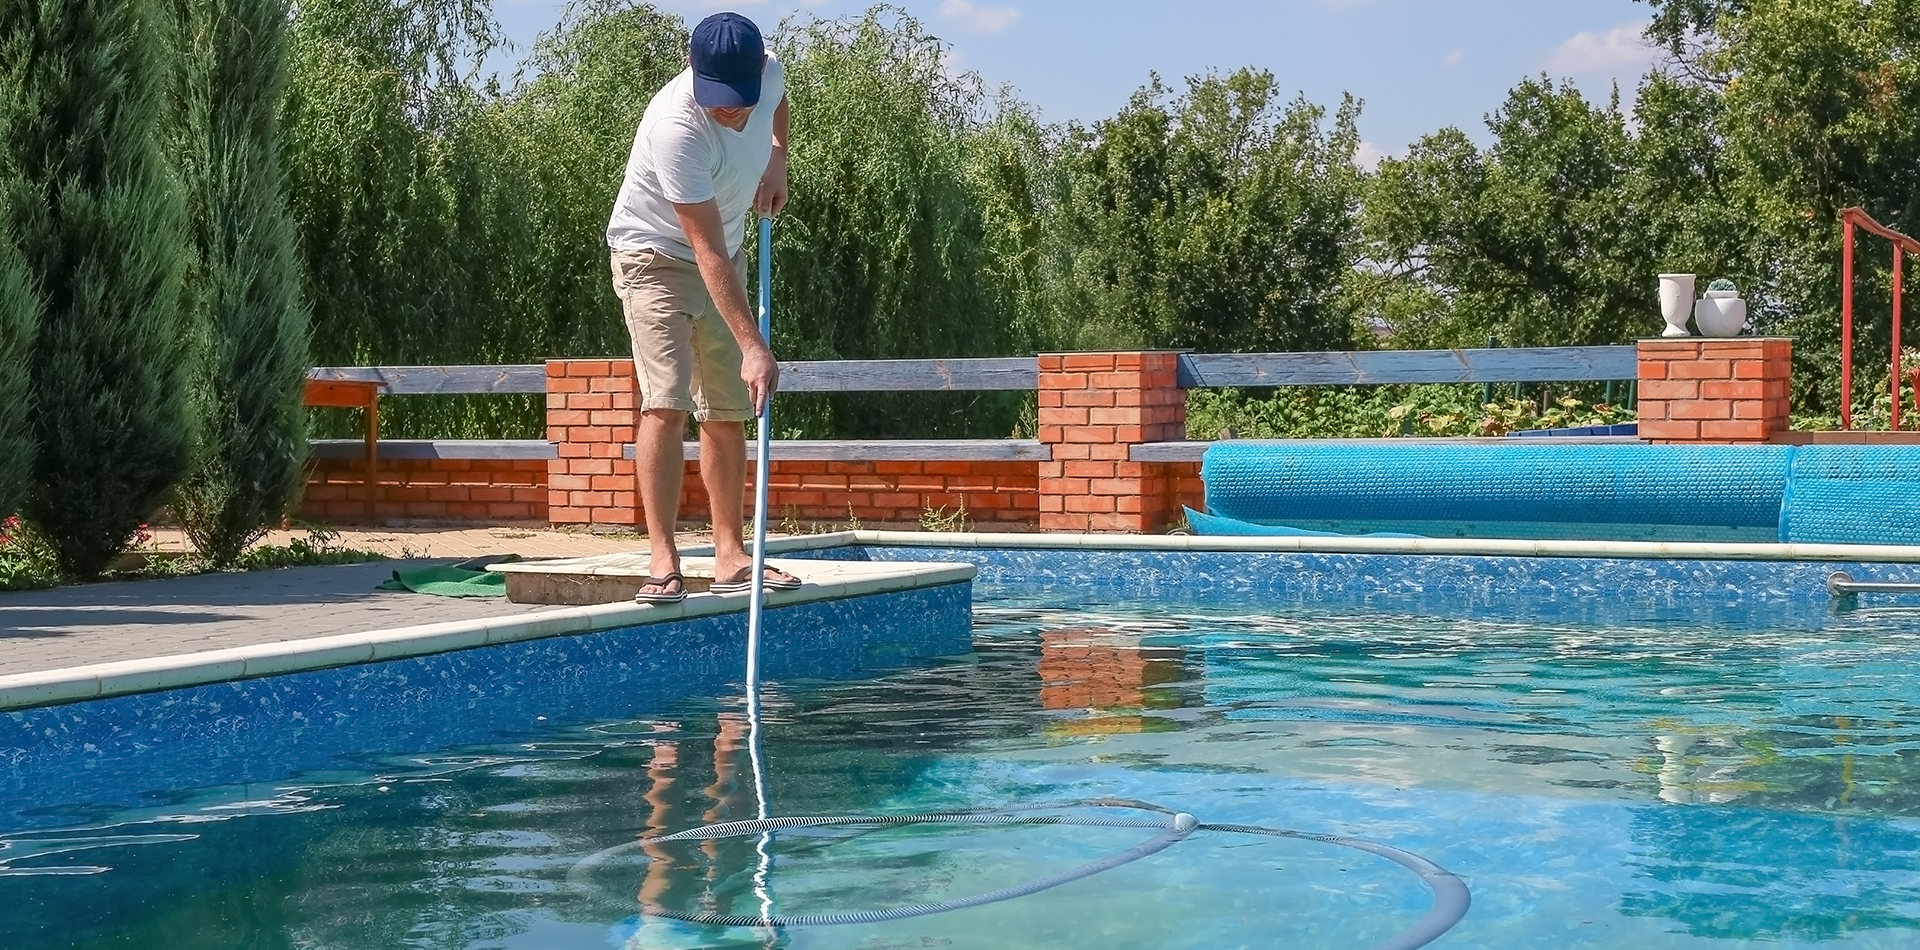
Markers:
point(756, 600)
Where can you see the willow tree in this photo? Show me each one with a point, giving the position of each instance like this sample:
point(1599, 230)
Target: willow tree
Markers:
point(98, 217)
point(886, 250)
point(248, 395)
point(387, 165)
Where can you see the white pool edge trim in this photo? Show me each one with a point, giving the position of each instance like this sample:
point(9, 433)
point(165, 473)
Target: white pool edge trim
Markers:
point(1489, 547)
point(125, 677)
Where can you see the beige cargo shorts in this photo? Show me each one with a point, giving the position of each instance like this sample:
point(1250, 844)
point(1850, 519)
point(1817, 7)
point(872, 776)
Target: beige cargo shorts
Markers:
point(683, 354)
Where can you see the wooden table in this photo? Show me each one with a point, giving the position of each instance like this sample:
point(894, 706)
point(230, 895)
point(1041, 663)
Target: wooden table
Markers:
point(351, 394)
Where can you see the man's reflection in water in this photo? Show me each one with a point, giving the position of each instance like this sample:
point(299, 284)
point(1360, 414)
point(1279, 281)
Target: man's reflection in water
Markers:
point(723, 864)
point(659, 798)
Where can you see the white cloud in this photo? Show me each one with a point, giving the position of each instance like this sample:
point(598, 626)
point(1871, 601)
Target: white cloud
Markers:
point(1454, 58)
point(1368, 156)
point(978, 18)
point(1622, 47)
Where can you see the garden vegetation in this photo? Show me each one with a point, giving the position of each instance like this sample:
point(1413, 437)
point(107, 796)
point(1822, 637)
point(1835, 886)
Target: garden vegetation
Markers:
point(199, 198)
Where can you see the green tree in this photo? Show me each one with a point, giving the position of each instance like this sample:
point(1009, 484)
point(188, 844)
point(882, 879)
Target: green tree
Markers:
point(1533, 239)
point(253, 434)
point(1219, 220)
point(387, 162)
point(19, 314)
point(1822, 99)
point(98, 219)
point(19, 299)
point(886, 250)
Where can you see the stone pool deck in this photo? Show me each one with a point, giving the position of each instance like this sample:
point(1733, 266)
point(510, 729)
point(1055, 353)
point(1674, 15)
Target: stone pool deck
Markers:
point(131, 620)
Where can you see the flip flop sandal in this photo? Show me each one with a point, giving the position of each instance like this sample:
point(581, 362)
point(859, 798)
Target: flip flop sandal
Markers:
point(674, 596)
point(774, 579)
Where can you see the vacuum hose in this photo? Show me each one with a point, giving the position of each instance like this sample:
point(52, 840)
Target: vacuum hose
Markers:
point(1451, 898)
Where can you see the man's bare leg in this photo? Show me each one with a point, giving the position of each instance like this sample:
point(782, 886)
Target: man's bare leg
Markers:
point(659, 464)
point(723, 470)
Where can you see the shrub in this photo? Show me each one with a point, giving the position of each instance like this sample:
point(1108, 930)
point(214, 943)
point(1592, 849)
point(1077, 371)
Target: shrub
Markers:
point(19, 312)
point(248, 395)
point(98, 218)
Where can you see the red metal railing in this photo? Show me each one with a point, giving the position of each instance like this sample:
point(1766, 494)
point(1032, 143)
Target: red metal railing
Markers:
point(1850, 219)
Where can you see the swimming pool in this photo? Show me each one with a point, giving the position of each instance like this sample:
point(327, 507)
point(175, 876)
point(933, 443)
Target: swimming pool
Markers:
point(1613, 753)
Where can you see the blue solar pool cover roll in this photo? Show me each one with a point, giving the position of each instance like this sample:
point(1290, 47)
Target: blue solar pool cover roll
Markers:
point(1853, 494)
point(1615, 490)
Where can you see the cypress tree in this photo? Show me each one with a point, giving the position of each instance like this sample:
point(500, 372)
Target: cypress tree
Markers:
point(19, 300)
point(252, 447)
point(19, 312)
point(99, 222)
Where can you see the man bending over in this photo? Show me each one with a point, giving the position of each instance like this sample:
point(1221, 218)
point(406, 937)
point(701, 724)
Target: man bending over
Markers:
point(711, 147)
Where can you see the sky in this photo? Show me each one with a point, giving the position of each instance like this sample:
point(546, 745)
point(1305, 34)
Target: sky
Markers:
point(1419, 65)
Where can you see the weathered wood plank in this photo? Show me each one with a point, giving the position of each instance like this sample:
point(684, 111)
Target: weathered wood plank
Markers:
point(825, 376)
point(896, 450)
point(340, 393)
point(959, 375)
point(470, 449)
point(443, 380)
point(1194, 451)
point(1512, 365)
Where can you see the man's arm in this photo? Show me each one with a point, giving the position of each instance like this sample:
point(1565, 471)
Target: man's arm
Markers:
point(701, 222)
point(772, 194)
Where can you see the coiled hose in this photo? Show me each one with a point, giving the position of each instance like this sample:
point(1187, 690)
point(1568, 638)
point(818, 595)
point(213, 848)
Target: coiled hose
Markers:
point(1451, 898)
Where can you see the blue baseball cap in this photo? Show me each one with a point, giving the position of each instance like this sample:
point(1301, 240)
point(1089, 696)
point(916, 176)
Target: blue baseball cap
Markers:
point(728, 57)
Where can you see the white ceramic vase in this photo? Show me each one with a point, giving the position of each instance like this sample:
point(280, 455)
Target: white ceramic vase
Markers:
point(1676, 303)
point(1720, 313)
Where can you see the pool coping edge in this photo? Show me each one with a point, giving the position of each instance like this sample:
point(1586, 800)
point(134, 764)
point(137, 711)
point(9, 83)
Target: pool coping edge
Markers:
point(19, 691)
point(1472, 547)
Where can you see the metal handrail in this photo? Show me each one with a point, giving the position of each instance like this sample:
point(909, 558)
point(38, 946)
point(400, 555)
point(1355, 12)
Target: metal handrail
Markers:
point(1850, 219)
point(1842, 584)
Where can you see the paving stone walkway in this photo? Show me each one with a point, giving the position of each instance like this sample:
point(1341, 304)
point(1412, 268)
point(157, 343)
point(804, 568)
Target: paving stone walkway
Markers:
point(458, 542)
point(126, 620)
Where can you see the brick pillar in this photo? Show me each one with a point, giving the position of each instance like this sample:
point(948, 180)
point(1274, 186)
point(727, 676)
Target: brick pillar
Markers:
point(590, 420)
point(1094, 407)
point(1704, 389)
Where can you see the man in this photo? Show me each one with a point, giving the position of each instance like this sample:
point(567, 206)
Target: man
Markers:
point(711, 147)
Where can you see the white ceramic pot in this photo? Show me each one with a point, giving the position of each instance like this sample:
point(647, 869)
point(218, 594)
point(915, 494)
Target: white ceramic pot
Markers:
point(1720, 313)
point(1676, 301)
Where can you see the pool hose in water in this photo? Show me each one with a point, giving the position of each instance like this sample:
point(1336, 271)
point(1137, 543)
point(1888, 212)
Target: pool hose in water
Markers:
point(1451, 899)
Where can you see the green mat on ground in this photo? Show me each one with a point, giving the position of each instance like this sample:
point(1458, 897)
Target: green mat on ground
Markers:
point(464, 579)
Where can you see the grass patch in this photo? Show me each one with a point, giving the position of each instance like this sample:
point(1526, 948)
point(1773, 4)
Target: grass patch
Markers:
point(27, 561)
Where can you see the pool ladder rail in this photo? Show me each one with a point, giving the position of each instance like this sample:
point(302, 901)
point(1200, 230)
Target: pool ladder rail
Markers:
point(1842, 584)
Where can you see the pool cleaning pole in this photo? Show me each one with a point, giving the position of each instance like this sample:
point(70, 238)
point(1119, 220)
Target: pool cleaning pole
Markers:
point(756, 601)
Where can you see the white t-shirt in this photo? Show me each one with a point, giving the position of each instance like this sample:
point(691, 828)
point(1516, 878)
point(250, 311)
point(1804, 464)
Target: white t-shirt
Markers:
point(682, 156)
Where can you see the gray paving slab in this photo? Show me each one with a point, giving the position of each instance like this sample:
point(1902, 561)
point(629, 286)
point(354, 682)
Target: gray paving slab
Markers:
point(130, 620)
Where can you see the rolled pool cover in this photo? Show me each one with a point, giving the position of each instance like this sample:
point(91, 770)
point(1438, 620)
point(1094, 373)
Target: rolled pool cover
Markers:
point(1831, 494)
point(1608, 491)
point(1852, 494)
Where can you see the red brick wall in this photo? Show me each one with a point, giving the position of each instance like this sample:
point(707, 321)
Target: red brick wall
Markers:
point(427, 490)
point(1183, 479)
point(1714, 390)
point(590, 418)
point(991, 492)
point(499, 491)
point(1094, 407)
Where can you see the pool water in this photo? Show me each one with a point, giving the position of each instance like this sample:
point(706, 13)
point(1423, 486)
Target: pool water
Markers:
point(1605, 784)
